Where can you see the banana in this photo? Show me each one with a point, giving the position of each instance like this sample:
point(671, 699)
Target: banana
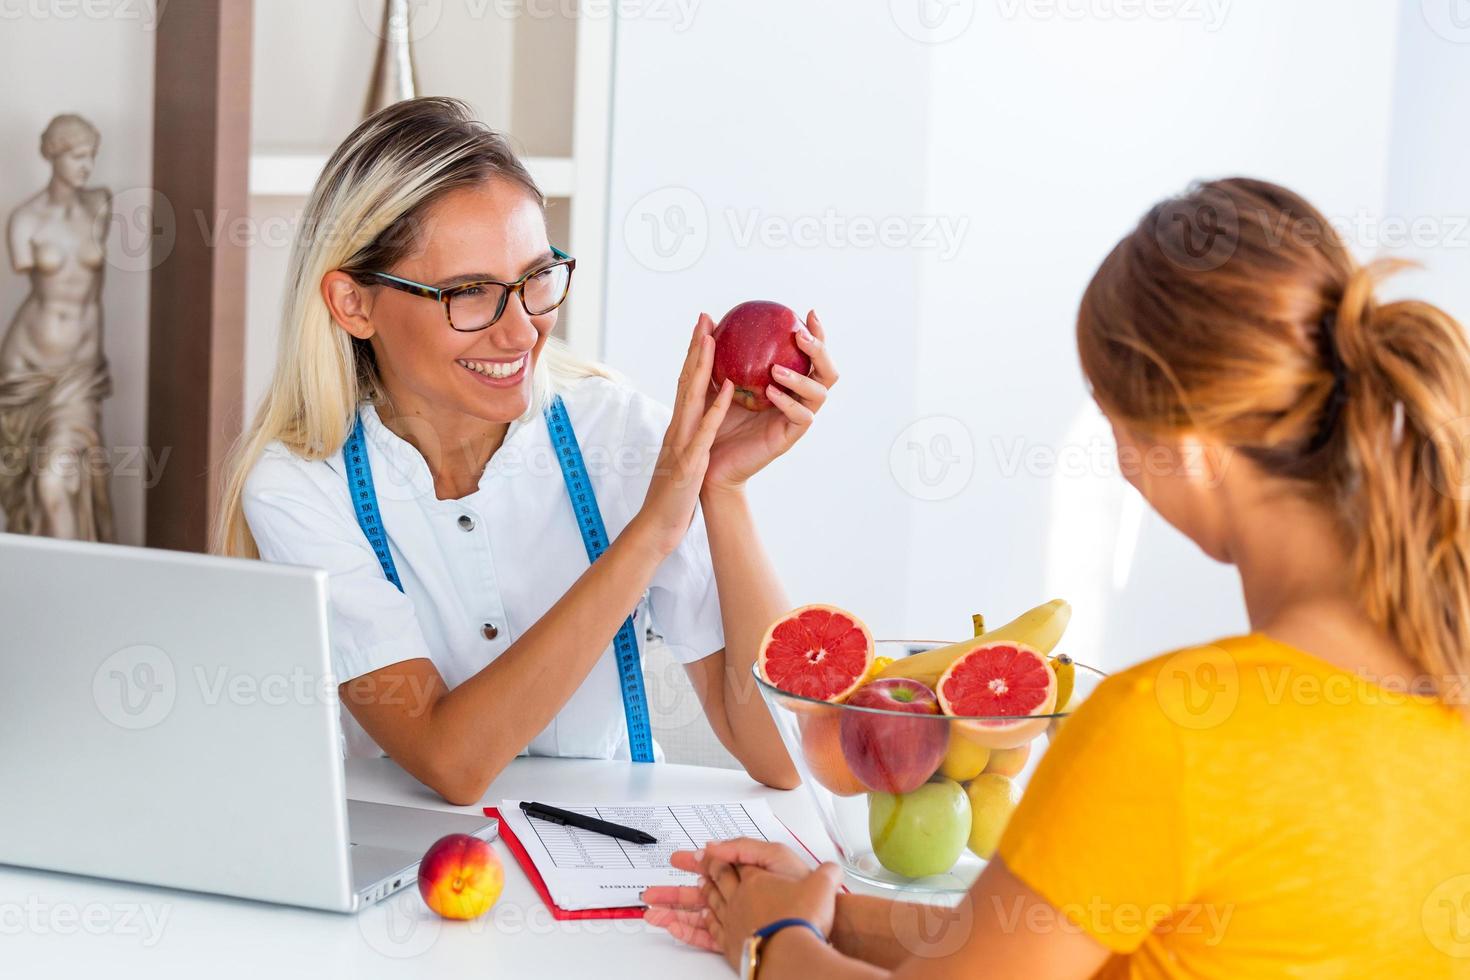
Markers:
point(1066, 672)
point(1040, 628)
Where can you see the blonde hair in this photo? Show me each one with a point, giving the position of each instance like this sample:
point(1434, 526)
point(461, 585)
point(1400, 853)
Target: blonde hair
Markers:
point(1236, 310)
point(364, 213)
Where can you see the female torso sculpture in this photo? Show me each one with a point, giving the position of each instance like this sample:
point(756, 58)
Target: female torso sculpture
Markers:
point(53, 373)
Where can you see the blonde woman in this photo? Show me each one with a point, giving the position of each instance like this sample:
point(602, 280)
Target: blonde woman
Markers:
point(454, 469)
point(1293, 802)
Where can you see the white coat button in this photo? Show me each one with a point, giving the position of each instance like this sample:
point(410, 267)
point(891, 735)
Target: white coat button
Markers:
point(489, 631)
point(466, 522)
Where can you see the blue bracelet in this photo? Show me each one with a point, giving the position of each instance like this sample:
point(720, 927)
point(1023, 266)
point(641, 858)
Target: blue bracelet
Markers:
point(770, 930)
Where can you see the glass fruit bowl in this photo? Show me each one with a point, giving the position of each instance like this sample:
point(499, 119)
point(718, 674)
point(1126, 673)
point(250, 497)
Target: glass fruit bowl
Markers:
point(914, 800)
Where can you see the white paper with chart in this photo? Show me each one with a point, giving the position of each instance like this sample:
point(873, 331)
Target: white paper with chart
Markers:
point(585, 870)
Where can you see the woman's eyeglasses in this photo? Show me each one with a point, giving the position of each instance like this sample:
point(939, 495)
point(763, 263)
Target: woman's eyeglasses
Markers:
point(471, 306)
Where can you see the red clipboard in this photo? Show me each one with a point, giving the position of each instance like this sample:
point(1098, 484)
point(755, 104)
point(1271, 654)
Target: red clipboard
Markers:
point(529, 867)
point(539, 883)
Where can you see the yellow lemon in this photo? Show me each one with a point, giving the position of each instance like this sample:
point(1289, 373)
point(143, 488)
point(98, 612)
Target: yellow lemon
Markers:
point(965, 760)
point(993, 798)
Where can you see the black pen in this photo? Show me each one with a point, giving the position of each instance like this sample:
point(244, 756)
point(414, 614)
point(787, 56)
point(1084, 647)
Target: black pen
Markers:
point(557, 815)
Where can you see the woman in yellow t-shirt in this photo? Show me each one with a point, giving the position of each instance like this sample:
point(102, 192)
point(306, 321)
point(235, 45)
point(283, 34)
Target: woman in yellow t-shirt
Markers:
point(1293, 802)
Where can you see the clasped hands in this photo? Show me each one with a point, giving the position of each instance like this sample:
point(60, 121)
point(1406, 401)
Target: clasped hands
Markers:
point(744, 884)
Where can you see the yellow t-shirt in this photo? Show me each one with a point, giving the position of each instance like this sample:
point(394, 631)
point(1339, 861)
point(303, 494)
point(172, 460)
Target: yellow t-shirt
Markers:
point(1244, 810)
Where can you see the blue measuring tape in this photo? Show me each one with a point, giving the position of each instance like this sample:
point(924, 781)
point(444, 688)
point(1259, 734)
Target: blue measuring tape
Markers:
point(365, 500)
point(594, 539)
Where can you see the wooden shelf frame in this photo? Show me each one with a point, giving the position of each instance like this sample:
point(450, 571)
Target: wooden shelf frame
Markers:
point(196, 290)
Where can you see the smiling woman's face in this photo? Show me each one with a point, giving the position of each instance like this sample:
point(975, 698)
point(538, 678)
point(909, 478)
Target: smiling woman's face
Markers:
point(494, 231)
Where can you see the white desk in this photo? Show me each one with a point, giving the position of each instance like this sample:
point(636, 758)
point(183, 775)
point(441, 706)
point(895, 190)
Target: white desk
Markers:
point(56, 925)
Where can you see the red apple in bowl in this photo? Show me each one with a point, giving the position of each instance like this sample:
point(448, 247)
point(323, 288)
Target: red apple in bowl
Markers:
point(460, 877)
point(891, 754)
point(750, 340)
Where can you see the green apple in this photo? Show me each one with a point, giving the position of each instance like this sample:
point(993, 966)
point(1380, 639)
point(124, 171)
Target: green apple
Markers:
point(922, 832)
point(992, 799)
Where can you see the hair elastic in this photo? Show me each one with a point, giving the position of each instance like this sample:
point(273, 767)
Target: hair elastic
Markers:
point(1327, 346)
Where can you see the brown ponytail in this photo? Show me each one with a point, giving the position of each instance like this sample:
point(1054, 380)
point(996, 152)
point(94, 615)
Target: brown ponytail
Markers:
point(1408, 405)
point(1237, 310)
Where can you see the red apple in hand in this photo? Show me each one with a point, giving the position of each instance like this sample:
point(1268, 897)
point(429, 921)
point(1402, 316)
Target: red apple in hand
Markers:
point(750, 340)
point(460, 877)
point(891, 754)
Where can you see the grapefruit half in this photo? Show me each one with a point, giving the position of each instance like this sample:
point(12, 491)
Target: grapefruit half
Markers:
point(819, 652)
point(1005, 684)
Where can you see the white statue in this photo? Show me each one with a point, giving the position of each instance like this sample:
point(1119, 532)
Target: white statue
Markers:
point(53, 374)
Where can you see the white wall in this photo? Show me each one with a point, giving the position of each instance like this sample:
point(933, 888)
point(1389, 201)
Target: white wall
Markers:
point(1041, 136)
point(1427, 211)
point(1069, 130)
point(774, 116)
point(59, 59)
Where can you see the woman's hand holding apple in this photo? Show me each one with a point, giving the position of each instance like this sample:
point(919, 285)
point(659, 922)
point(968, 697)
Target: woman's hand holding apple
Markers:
point(748, 441)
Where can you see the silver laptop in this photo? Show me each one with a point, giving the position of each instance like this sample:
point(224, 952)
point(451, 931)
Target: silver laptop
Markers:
point(171, 719)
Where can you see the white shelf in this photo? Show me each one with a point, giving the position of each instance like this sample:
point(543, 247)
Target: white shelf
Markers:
point(552, 96)
point(293, 174)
